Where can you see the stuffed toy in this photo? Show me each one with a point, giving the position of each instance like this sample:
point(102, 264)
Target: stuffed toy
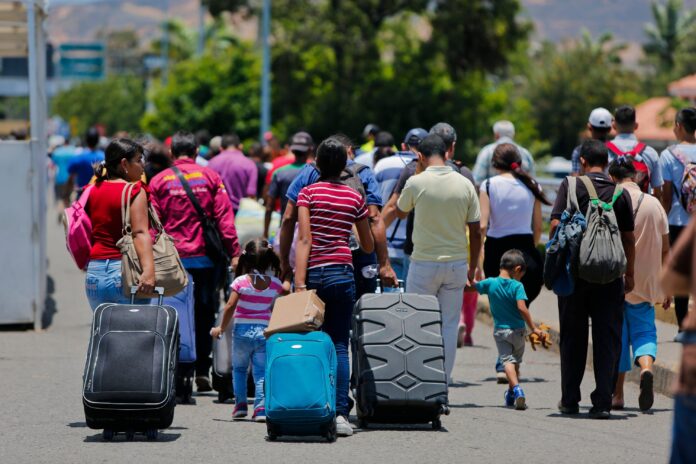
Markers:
point(544, 340)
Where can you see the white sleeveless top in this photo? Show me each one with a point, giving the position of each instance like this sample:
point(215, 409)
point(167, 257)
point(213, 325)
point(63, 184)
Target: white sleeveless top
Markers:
point(512, 207)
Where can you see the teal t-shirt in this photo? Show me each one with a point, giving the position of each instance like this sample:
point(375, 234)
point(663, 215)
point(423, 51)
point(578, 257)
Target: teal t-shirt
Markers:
point(503, 295)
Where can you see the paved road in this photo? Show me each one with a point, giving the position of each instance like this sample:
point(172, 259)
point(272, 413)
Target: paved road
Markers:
point(42, 418)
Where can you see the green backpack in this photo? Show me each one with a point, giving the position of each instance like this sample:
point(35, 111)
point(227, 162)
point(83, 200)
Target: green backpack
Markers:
point(601, 259)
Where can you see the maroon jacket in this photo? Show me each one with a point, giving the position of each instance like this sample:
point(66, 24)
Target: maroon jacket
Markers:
point(178, 215)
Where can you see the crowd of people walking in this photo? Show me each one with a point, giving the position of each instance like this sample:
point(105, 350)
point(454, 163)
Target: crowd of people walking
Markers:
point(353, 216)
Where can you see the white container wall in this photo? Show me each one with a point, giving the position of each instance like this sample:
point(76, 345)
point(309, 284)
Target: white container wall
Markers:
point(22, 232)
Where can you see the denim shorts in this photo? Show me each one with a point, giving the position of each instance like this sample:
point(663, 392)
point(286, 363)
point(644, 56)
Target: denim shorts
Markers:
point(510, 343)
point(103, 283)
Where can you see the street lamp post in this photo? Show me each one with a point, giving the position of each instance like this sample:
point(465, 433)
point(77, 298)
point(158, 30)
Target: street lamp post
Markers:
point(265, 69)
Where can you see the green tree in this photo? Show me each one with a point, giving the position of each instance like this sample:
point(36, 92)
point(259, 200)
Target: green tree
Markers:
point(568, 81)
point(117, 102)
point(181, 41)
point(667, 32)
point(396, 63)
point(218, 93)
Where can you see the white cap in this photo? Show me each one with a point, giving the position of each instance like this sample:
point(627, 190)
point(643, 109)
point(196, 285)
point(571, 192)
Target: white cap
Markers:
point(601, 118)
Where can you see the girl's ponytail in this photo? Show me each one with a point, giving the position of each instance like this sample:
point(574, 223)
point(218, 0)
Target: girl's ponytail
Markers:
point(100, 171)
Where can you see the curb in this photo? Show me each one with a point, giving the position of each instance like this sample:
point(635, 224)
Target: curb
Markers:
point(664, 376)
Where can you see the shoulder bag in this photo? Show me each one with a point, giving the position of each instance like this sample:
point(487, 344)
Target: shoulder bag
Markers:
point(169, 271)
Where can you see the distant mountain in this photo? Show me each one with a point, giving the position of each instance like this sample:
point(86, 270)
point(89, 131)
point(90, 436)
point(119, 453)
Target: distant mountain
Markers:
point(553, 19)
point(558, 19)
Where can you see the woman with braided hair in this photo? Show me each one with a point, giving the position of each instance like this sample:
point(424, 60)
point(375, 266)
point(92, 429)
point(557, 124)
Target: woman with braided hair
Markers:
point(511, 217)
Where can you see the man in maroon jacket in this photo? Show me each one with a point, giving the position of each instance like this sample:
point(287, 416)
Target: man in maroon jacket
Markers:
point(180, 219)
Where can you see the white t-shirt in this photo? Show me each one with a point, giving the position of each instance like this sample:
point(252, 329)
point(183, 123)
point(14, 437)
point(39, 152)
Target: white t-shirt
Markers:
point(512, 207)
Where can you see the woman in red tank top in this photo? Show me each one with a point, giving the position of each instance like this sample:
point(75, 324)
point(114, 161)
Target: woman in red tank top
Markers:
point(123, 165)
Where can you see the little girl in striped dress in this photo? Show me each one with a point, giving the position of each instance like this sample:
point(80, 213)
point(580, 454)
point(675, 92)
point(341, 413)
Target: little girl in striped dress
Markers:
point(251, 301)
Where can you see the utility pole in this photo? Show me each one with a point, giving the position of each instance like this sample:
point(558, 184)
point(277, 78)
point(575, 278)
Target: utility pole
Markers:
point(165, 43)
point(201, 28)
point(265, 69)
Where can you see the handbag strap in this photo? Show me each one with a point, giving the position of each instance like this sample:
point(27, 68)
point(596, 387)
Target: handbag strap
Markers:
point(125, 208)
point(640, 202)
point(202, 216)
point(125, 212)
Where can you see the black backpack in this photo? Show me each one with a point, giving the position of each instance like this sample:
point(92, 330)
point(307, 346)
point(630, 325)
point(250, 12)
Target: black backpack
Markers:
point(351, 177)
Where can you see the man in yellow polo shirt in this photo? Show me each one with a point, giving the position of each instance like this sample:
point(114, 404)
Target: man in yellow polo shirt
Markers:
point(445, 205)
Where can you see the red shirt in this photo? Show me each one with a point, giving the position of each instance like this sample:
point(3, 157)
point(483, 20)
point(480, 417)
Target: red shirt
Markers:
point(333, 209)
point(104, 210)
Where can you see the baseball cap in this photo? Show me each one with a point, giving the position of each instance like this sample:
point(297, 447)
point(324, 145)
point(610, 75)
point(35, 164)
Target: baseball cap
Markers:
point(601, 118)
point(370, 129)
point(301, 141)
point(414, 136)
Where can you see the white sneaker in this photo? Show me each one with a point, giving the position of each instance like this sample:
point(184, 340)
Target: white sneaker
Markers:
point(343, 428)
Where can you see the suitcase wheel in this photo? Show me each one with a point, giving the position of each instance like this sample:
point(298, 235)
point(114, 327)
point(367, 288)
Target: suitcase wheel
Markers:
point(108, 434)
point(437, 425)
point(271, 432)
point(331, 434)
point(362, 423)
point(151, 434)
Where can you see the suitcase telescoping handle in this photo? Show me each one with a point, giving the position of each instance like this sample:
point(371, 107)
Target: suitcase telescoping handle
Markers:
point(158, 290)
point(380, 288)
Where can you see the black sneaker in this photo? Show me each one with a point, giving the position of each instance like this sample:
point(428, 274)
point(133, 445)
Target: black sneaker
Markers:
point(569, 410)
point(647, 396)
point(601, 414)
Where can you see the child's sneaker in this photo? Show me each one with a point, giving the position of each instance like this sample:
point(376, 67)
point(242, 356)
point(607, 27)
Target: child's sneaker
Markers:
point(259, 414)
point(520, 400)
point(509, 398)
point(240, 411)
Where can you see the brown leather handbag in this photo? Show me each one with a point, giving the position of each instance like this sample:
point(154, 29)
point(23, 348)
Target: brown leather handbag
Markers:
point(169, 271)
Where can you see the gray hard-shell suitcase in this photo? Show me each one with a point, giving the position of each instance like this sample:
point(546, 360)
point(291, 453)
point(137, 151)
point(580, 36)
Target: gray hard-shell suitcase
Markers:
point(129, 379)
point(398, 359)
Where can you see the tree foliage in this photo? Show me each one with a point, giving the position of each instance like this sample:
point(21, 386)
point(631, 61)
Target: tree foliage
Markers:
point(399, 63)
point(116, 102)
point(667, 32)
point(570, 80)
point(215, 92)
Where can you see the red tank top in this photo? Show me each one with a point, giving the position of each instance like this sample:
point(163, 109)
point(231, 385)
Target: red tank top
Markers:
point(104, 210)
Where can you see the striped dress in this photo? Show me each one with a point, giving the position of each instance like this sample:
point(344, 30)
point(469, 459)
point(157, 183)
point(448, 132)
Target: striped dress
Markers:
point(254, 306)
point(333, 209)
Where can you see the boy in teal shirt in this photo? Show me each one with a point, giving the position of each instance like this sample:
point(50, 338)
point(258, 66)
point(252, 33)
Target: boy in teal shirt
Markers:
point(508, 302)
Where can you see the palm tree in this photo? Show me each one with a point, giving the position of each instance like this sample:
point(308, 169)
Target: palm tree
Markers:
point(668, 31)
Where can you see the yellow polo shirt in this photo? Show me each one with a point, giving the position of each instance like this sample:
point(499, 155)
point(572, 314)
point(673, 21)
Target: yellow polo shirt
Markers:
point(445, 202)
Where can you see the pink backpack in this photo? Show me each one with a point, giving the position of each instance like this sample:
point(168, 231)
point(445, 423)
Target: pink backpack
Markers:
point(78, 230)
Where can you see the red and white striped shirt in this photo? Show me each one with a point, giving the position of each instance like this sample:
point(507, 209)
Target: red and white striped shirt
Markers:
point(333, 209)
point(254, 306)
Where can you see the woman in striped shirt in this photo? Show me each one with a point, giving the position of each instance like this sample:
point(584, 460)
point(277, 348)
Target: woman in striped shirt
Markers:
point(251, 301)
point(327, 212)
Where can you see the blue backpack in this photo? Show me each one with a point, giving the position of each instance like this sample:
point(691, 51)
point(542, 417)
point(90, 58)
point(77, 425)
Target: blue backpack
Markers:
point(300, 385)
point(563, 248)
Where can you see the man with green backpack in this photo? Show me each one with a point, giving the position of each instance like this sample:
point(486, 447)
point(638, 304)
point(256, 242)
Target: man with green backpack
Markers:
point(603, 274)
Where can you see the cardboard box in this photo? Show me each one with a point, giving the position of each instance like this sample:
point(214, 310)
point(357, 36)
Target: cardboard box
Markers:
point(297, 312)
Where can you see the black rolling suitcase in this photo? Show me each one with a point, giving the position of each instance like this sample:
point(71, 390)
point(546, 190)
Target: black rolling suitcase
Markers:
point(398, 359)
point(129, 379)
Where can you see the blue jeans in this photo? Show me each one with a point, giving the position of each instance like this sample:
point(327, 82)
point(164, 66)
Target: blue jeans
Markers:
point(103, 283)
point(400, 266)
point(336, 288)
point(683, 444)
point(639, 334)
point(249, 347)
